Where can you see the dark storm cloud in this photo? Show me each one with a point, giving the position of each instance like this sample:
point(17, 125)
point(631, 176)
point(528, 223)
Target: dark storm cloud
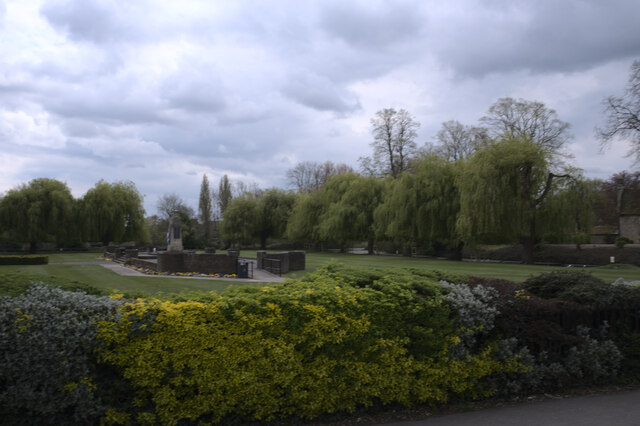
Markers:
point(547, 36)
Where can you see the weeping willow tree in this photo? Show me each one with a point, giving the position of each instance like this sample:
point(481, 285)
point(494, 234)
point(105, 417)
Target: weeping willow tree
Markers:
point(350, 201)
point(503, 190)
point(304, 219)
point(568, 214)
point(422, 207)
point(40, 211)
point(113, 212)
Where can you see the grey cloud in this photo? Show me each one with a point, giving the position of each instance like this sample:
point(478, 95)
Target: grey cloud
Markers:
point(195, 90)
point(87, 20)
point(540, 37)
point(319, 93)
point(373, 25)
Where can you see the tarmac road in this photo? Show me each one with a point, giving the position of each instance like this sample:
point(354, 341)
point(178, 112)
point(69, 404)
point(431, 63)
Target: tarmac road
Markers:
point(610, 409)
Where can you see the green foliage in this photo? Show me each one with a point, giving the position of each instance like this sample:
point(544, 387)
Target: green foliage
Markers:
point(560, 354)
point(567, 215)
point(580, 287)
point(205, 208)
point(499, 187)
point(422, 206)
point(41, 211)
point(47, 367)
point(329, 343)
point(349, 204)
point(623, 241)
point(257, 216)
point(224, 194)
point(24, 260)
point(114, 212)
point(16, 283)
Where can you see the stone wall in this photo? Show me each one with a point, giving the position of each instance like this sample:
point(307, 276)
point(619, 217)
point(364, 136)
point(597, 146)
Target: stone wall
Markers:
point(203, 263)
point(289, 260)
point(143, 263)
point(630, 227)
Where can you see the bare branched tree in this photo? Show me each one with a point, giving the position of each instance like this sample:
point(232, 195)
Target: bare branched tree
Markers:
point(532, 120)
point(308, 176)
point(457, 141)
point(169, 203)
point(394, 134)
point(623, 115)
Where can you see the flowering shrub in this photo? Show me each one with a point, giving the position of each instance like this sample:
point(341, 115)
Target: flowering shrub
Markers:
point(474, 313)
point(304, 348)
point(47, 372)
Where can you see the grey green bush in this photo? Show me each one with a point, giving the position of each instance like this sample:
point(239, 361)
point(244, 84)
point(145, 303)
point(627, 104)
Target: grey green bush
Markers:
point(47, 368)
point(474, 313)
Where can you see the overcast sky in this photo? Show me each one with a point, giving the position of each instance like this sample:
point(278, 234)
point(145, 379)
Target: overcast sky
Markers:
point(161, 92)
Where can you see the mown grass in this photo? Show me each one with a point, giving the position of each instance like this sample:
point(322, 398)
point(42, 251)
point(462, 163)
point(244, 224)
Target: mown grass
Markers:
point(102, 279)
point(508, 271)
point(16, 278)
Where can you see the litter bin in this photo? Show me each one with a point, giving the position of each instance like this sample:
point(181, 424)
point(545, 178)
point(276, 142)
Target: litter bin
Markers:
point(243, 270)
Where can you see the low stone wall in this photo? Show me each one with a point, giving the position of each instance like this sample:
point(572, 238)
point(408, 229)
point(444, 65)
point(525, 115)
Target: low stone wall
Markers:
point(204, 263)
point(289, 260)
point(141, 263)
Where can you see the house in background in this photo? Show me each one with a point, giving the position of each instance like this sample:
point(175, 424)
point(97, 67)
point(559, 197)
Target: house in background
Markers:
point(629, 213)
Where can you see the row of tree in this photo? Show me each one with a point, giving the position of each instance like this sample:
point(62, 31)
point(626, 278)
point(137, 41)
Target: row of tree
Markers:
point(503, 193)
point(505, 180)
point(44, 210)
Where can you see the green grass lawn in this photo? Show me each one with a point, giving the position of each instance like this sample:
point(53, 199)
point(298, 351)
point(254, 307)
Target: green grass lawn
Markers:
point(101, 278)
point(106, 280)
point(508, 271)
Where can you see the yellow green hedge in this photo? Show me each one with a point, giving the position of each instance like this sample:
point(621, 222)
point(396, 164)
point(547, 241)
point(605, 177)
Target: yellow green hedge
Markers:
point(302, 349)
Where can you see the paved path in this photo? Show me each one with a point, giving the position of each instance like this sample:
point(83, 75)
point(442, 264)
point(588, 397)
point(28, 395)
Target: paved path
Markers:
point(615, 409)
point(259, 275)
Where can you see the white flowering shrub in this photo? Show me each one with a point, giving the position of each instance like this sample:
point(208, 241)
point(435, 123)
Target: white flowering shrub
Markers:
point(621, 281)
point(474, 313)
point(47, 364)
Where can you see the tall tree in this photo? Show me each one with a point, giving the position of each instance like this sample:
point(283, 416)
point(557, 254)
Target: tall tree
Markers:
point(394, 134)
point(171, 204)
point(530, 120)
point(502, 190)
point(114, 212)
point(568, 213)
point(309, 176)
point(348, 215)
point(623, 114)
point(40, 211)
point(205, 208)
point(257, 216)
point(240, 220)
point(224, 194)
point(421, 208)
point(457, 141)
point(305, 217)
point(274, 209)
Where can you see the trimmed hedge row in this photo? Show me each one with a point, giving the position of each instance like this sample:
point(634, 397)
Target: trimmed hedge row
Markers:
point(337, 340)
point(561, 254)
point(23, 260)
